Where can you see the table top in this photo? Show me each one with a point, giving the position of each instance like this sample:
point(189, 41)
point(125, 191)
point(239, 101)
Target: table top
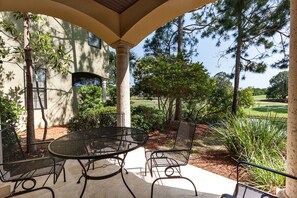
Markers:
point(97, 143)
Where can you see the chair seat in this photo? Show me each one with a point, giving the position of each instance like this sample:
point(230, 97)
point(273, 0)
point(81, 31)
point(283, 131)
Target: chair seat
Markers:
point(166, 160)
point(26, 169)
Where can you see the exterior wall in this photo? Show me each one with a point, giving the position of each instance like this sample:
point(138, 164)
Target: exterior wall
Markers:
point(61, 96)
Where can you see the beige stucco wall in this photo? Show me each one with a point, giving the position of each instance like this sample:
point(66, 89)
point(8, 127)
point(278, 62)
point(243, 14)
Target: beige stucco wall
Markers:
point(61, 102)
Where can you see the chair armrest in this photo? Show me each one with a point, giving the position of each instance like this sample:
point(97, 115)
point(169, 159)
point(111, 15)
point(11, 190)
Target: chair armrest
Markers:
point(226, 196)
point(169, 151)
point(41, 142)
point(28, 160)
point(267, 169)
point(161, 153)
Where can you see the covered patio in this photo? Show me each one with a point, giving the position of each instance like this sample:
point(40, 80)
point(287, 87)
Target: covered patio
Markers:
point(124, 23)
point(209, 185)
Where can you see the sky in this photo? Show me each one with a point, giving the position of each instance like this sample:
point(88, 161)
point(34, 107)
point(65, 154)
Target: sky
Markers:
point(208, 54)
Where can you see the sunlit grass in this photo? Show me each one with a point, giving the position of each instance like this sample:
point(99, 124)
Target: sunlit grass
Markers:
point(135, 101)
point(263, 108)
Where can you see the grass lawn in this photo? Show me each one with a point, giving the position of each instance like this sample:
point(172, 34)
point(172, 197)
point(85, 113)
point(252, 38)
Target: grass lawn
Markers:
point(262, 108)
point(135, 101)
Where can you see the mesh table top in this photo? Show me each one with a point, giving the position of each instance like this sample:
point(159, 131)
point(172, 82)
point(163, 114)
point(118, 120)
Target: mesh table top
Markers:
point(98, 143)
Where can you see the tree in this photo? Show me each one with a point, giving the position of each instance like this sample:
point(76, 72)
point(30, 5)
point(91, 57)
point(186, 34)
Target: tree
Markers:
point(278, 88)
point(249, 24)
point(174, 38)
point(168, 78)
point(37, 49)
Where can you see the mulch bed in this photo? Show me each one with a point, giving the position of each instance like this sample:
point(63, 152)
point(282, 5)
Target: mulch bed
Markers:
point(215, 161)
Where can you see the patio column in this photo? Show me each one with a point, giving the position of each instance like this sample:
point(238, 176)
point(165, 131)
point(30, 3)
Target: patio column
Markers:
point(123, 84)
point(291, 186)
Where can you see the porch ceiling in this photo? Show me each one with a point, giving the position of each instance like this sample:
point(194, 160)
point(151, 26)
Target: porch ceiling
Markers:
point(113, 21)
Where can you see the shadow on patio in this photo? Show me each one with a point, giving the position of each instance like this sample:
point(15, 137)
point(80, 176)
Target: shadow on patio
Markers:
point(208, 185)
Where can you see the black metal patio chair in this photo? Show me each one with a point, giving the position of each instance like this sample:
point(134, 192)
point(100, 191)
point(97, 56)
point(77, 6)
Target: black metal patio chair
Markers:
point(243, 190)
point(16, 167)
point(171, 160)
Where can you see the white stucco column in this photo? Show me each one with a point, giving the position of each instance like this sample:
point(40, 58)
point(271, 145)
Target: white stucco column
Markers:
point(291, 185)
point(103, 89)
point(123, 84)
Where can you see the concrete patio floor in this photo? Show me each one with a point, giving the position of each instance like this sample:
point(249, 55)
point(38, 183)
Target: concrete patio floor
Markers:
point(208, 185)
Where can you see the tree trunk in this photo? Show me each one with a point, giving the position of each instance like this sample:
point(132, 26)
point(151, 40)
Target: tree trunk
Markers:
point(178, 102)
point(291, 185)
point(237, 63)
point(29, 86)
point(42, 110)
point(170, 110)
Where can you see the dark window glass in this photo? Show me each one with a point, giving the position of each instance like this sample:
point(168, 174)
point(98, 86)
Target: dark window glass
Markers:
point(39, 77)
point(84, 79)
point(93, 40)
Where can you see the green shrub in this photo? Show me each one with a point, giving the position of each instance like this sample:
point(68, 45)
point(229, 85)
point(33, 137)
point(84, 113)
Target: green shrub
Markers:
point(261, 141)
point(244, 136)
point(144, 118)
point(265, 179)
point(10, 112)
point(103, 117)
point(147, 118)
point(90, 99)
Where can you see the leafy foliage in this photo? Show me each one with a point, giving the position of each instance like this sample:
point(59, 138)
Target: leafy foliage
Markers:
point(10, 108)
point(147, 118)
point(245, 137)
point(90, 98)
point(246, 98)
point(10, 112)
point(103, 117)
point(278, 88)
point(219, 101)
point(260, 141)
point(45, 52)
point(168, 78)
point(258, 91)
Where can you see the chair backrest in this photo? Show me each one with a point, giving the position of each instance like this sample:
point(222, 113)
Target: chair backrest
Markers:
point(184, 138)
point(11, 146)
point(244, 191)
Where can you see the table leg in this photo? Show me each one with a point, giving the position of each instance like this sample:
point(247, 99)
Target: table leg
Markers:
point(123, 169)
point(84, 174)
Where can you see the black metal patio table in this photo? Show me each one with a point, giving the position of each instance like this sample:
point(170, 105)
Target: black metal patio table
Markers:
point(97, 144)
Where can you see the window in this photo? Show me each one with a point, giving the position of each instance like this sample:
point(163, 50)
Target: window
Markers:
point(94, 41)
point(39, 76)
point(83, 79)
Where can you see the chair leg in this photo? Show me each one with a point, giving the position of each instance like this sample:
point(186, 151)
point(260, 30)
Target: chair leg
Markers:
point(64, 174)
point(31, 190)
point(152, 188)
point(146, 166)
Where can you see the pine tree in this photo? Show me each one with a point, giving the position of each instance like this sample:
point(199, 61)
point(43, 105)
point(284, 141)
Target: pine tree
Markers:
point(249, 24)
